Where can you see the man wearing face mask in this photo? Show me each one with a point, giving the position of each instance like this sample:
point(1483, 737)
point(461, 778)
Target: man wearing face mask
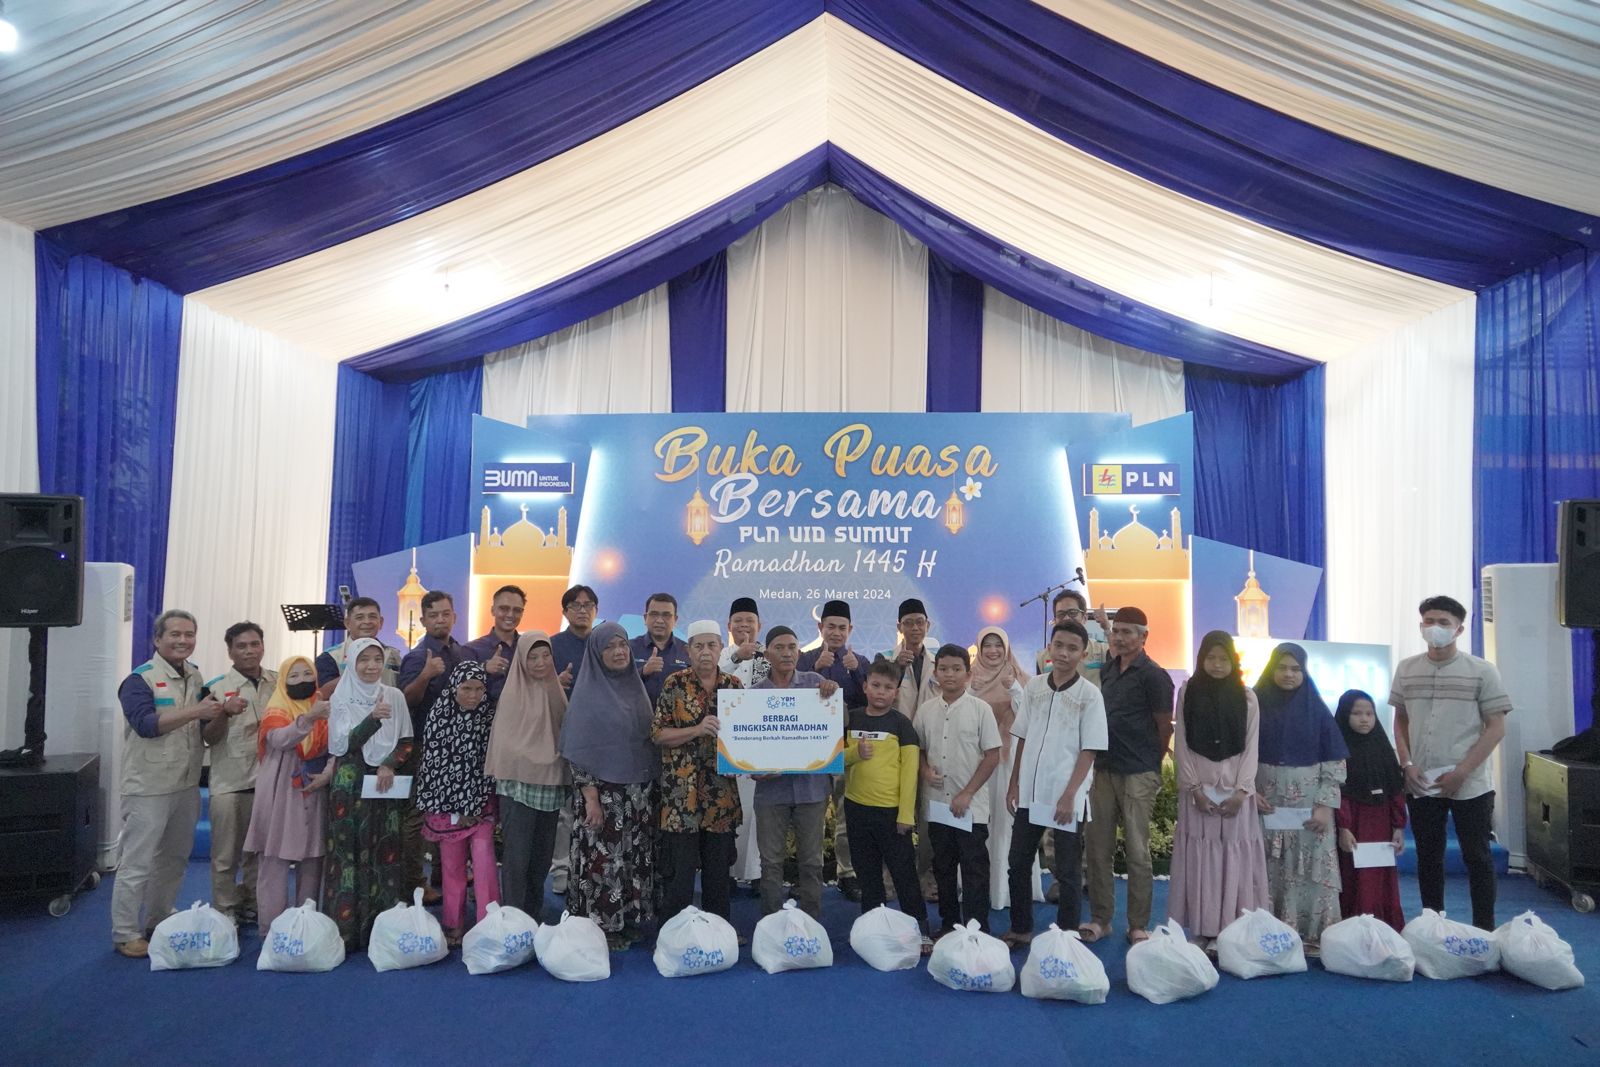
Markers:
point(1449, 714)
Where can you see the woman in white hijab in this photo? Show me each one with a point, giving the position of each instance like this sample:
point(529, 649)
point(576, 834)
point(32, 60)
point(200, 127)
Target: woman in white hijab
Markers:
point(369, 734)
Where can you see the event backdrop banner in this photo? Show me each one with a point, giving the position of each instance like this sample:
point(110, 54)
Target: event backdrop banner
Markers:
point(971, 513)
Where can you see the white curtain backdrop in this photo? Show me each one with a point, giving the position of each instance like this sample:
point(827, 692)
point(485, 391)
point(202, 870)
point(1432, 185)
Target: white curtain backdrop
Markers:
point(827, 311)
point(1504, 93)
point(115, 104)
point(251, 478)
point(19, 446)
point(1032, 362)
point(1399, 478)
point(617, 361)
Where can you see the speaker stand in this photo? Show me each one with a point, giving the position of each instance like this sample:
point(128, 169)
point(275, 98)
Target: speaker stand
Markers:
point(31, 754)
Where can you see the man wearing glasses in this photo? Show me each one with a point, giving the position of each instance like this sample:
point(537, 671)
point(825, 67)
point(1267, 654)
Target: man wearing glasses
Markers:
point(659, 654)
point(580, 605)
point(1070, 606)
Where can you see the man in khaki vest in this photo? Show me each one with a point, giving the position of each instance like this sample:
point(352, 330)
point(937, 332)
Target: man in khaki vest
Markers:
point(161, 755)
point(244, 691)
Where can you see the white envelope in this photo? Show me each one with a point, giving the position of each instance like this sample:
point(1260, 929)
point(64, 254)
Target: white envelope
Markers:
point(1429, 777)
point(1286, 819)
point(939, 812)
point(399, 791)
point(1218, 795)
point(1374, 854)
point(1046, 817)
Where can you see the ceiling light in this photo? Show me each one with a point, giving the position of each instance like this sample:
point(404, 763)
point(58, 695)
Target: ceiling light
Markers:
point(8, 33)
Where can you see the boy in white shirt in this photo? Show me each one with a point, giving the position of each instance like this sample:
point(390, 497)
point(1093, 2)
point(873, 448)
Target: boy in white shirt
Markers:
point(960, 748)
point(1060, 726)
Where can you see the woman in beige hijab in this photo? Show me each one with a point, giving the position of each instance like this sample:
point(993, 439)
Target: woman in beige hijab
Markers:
point(530, 776)
point(997, 677)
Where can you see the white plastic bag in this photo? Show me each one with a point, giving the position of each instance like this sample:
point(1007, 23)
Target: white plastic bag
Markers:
point(573, 949)
point(199, 937)
point(301, 939)
point(1530, 950)
point(1061, 967)
point(1365, 947)
point(969, 959)
point(406, 936)
point(790, 940)
point(888, 940)
point(695, 942)
point(1447, 949)
point(503, 940)
point(1167, 968)
point(1257, 944)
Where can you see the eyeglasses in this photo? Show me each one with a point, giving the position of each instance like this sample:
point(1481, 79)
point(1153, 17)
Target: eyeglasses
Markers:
point(659, 614)
point(1070, 613)
point(582, 605)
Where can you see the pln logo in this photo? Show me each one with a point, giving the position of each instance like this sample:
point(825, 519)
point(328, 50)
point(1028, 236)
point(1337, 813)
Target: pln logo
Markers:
point(527, 478)
point(1130, 479)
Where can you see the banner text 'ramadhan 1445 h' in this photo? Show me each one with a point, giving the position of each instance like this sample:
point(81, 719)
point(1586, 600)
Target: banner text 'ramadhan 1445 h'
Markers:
point(972, 513)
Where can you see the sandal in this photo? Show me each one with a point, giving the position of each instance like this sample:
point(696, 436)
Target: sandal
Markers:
point(1089, 933)
point(617, 943)
point(1015, 941)
point(1136, 936)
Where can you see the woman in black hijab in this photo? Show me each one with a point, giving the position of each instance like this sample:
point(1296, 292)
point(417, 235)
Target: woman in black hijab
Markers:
point(1372, 810)
point(1218, 865)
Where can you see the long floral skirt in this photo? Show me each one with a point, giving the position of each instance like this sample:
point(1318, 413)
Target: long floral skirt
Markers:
point(1302, 866)
point(362, 871)
point(612, 879)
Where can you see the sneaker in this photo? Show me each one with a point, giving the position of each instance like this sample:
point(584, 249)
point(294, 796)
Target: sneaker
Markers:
point(137, 949)
point(851, 889)
point(26, 756)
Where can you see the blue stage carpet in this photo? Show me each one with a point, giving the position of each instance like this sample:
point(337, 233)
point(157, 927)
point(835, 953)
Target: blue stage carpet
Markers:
point(65, 998)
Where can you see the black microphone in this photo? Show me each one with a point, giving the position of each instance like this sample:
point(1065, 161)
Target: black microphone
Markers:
point(1081, 580)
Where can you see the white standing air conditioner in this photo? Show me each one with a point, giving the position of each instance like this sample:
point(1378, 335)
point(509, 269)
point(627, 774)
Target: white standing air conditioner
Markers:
point(85, 665)
point(1534, 655)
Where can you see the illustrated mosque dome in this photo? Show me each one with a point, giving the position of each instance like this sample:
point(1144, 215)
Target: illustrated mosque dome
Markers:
point(1136, 550)
point(523, 547)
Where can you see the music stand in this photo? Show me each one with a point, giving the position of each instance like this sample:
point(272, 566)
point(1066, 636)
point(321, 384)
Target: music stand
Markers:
point(314, 617)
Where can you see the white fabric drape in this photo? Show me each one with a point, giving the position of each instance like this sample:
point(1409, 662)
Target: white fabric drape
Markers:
point(551, 220)
point(827, 311)
point(252, 474)
point(1032, 362)
point(1399, 478)
point(108, 105)
point(19, 444)
point(617, 361)
point(1503, 93)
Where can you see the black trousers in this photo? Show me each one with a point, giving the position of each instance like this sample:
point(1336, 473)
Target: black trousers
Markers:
point(1474, 821)
point(530, 839)
point(1067, 872)
point(875, 843)
point(968, 852)
point(711, 854)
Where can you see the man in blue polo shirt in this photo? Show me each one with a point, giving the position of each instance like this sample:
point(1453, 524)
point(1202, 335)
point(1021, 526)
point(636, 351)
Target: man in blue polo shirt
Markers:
point(581, 606)
point(495, 649)
point(659, 654)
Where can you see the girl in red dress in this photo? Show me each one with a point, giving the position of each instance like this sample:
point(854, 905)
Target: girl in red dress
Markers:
point(1372, 808)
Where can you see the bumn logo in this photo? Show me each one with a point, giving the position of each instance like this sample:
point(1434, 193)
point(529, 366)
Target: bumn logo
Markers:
point(527, 478)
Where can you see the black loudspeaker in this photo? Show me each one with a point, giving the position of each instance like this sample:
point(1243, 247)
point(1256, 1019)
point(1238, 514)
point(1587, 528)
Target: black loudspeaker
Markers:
point(1578, 551)
point(41, 556)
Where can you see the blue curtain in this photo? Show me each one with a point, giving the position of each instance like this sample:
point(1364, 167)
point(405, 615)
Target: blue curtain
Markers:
point(1537, 426)
point(439, 453)
point(955, 337)
point(1259, 466)
point(107, 367)
point(697, 313)
point(369, 474)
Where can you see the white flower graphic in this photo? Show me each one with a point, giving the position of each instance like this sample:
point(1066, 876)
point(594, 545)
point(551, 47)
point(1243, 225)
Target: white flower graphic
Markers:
point(972, 489)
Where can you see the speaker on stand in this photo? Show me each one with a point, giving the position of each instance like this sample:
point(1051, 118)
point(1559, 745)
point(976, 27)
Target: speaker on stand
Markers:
point(1578, 577)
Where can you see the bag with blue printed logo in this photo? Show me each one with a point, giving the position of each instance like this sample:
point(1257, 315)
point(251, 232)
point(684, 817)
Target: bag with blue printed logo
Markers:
point(1061, 967)
point(573, 950)
point(695, 942)
point(199, 937)
point(503, 940)
point(301, 939)
point(406, 936)
point(1166, 967)
point(1447, 949)
point(1257, 944)
point(971, 960)
point(1530, 950)
point(790, 940)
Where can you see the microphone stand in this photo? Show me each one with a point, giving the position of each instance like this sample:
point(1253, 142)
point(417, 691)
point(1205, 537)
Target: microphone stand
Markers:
point(1043, 596)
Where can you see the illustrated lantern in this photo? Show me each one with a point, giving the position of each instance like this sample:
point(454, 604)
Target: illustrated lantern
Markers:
point(955, 514)
point(1252, 605)
point(698, 523)
point(409, 603)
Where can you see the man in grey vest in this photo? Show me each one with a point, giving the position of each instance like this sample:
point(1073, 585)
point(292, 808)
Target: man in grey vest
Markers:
point(245, 691)
point(161, 755)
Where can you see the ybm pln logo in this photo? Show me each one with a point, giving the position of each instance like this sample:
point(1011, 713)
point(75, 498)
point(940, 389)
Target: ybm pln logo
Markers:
point(1130, 479)
point(527, 478)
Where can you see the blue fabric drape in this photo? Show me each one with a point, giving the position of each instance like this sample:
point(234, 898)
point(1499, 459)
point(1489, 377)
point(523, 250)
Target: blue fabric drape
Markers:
point(955, 337)
point(697, 314)
point(467, 141)
point(1537, 428)
point(439, 453)
point(107, 380)
point(368, 513)
point(1259, 467)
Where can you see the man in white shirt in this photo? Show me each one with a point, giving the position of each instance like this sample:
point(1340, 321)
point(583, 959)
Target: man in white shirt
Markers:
point(1060, 728)
point(959, 749)
point(1449, 714)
